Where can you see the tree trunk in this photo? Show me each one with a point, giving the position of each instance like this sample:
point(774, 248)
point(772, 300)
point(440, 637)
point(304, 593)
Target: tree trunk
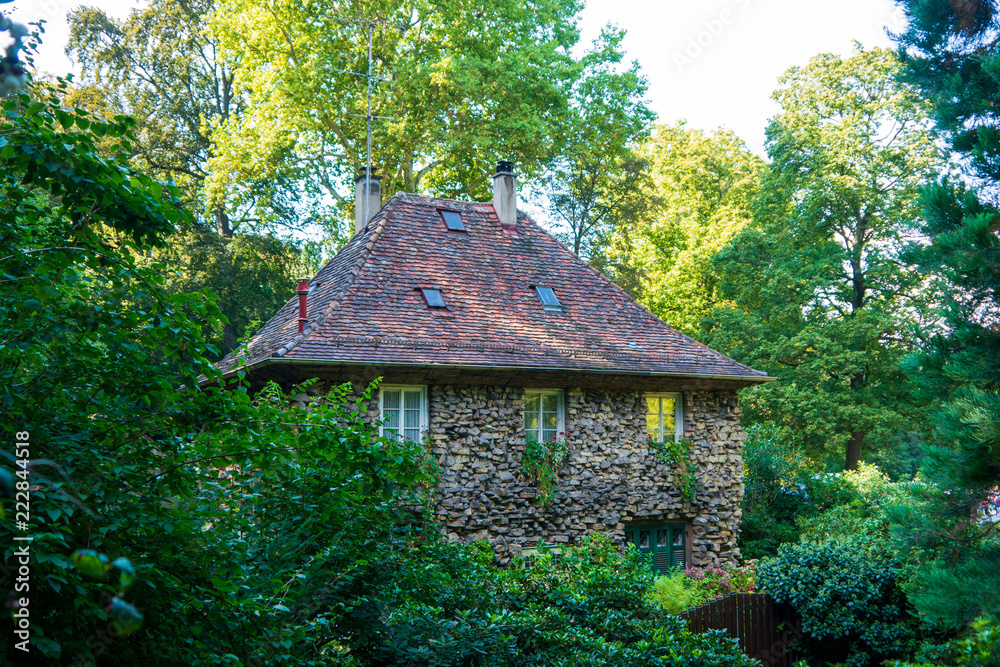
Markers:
point(858, 382)
point(854, 450)
point(222, 223)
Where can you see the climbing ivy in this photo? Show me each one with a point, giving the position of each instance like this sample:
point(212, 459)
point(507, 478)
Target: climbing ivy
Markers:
point(541, 462)
point(677, 455)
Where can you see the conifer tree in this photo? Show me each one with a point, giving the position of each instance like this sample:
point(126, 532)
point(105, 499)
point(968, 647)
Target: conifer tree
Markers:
point(952, 56)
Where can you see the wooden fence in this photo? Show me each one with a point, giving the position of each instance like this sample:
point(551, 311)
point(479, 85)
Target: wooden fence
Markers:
point(764, 628)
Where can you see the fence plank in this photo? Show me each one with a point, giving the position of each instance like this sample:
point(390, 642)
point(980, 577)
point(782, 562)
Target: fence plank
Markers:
point(758, 626)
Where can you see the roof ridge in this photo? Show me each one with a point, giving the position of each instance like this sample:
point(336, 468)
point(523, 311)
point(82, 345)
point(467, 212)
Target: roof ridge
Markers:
point(366, 252)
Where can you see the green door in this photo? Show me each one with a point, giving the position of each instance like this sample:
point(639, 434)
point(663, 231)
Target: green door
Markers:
point(665, 544)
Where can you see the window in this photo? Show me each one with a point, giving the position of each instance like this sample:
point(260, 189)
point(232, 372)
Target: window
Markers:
point(548, 299)
point(404, 412)
point(453, 220)
point(433, 298)
point(543, 414)
point(664, 416)
point(666, 545)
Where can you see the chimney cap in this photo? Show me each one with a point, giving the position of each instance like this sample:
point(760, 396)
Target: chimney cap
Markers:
point(367, 174)
point(505, 167)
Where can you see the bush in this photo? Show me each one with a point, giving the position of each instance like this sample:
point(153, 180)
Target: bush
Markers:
point(785, 499)
point(775, 478)
point(848, 597)
point(675, 592)
point(980, 647)
point(683, 589)
point(440, 604)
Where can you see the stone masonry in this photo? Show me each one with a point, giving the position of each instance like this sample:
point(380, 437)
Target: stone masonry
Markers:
point(611, 477)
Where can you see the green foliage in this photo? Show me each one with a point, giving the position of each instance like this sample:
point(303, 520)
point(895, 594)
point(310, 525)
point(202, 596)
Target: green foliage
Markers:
point(161, 66)
point(251, 277)
point(221, 499)
point(820, 298)
point(541, 462)
point(442, 604)
point(785, 499)
point(774, 477)
point(848, 597)
point(471, 83)
point(980, 647)
point(144, 66)
point(697, 197)
point(784, 495)
point(683, 589)
point(592, 182)
point(951, 57)
point(676, 592)
point(676, 453)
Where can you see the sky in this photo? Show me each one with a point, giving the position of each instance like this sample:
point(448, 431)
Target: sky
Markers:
point(713, 63)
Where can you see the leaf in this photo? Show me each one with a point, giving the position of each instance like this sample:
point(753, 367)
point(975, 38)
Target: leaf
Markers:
point(65, 119)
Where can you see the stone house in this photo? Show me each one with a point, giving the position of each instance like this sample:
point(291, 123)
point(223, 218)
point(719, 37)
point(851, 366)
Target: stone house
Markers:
point(487, 331)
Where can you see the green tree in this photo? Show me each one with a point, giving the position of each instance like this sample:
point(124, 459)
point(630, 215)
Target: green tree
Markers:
point(952, 57)
point(696, 199)
point(821, 298)
point(162, 67)
point(600, 172)
point(124, 461)
point(464, 84)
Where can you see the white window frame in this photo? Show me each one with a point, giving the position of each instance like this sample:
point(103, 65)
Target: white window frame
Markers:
point(424, 417)
point(560, 413)
point(678, 413)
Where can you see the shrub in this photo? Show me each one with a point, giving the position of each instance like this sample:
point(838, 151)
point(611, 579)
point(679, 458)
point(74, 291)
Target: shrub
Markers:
point(675, 592)
point(437, 603)
point(980, 647)
point(775, 494)
point(785, 499)
point(848, 597)
point(719, 581)
point(683, 589)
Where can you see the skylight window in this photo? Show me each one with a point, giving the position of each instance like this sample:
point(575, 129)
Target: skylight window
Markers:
point(433, 298)
point(453, 220)
point(548, 299)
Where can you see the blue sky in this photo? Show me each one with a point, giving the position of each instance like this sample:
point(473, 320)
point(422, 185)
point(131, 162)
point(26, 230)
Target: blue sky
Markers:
point(712, 62)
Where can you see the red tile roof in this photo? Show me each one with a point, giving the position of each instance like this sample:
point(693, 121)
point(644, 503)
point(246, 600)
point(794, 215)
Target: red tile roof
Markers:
point(367, 306)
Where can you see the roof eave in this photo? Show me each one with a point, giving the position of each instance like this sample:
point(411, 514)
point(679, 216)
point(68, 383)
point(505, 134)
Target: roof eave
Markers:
point(299, 361)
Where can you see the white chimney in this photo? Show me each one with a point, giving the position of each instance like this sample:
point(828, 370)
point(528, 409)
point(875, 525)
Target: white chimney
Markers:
point(505, 193)
point(367, 199)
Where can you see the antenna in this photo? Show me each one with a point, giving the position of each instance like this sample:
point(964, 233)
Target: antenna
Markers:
point(372, 80)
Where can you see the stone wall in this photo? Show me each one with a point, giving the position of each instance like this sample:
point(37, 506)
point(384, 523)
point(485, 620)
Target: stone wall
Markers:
point(610, 478)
